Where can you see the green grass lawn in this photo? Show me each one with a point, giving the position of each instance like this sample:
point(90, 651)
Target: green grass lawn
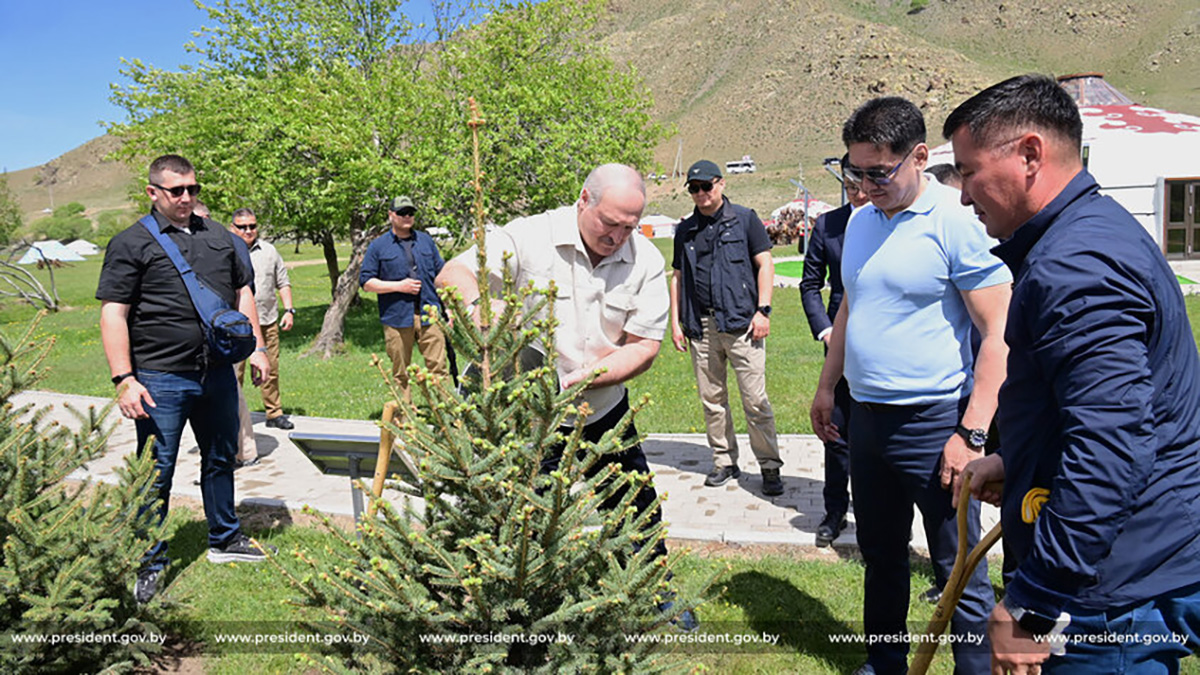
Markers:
point(346, 386)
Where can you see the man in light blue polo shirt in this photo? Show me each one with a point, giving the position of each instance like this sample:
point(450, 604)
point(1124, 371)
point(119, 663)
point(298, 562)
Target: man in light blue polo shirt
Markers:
point(918, 275)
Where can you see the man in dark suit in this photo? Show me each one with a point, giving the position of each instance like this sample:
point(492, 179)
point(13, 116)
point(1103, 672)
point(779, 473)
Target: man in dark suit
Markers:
point(824, 258)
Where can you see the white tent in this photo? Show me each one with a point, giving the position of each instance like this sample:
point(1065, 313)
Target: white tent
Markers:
point(48, 250)
point(1145, 158)
point(658, 226)
point(83, 247)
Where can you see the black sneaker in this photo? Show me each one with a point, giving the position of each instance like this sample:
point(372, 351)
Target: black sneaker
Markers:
point(239, 464)
point(686, 621)
point(280, 422)
point(932, 595)
point(241, 549)
point(829, 529)
point(772, 483)
point(146, 586)
point(721, 475)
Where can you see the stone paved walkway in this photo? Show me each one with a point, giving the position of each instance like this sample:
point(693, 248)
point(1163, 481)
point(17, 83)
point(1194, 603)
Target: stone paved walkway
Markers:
point(737, 512)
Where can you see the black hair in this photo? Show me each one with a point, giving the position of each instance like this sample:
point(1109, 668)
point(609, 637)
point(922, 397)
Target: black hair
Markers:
point(945, 174)
point(172, 163)
point(888, 121)
point(1015, 105)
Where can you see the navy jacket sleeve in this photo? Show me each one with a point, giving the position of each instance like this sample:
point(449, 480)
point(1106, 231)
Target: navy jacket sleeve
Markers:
point(1088, 322)
point(813, 280)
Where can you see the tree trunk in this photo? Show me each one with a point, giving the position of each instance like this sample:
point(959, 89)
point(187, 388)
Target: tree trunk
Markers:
point(331, 261)
point(345, 292)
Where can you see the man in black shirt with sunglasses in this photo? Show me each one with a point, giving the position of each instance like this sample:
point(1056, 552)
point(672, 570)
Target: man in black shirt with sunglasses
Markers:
point(155, 346)
point(721, 309)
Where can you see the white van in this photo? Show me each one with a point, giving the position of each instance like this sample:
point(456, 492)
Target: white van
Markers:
point(744, 165)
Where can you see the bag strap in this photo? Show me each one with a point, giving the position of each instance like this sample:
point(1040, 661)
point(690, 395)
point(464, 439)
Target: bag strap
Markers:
point(185, 270)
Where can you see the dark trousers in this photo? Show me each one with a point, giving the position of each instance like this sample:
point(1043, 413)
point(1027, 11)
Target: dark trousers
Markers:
point(837, 455)
point(208, 401)
point(895, 457)
point(631, 460)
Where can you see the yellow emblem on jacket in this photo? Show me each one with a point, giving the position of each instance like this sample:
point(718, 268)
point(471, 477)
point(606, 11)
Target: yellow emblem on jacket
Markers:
point(1031, 505)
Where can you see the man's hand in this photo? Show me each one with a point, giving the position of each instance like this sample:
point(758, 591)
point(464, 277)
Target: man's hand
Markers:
point(826, 337)
point(410, 286)
point(260, 368)
point(821, 414)
point(680, 340)
point(131, 396)
point(760, 326)
point(955, 456)
point(984, 471)
point(286, 322)
point(1013, 650)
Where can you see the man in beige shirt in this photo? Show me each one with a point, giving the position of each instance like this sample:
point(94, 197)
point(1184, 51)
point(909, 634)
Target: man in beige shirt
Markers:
point(270, 278)
point(611, 303)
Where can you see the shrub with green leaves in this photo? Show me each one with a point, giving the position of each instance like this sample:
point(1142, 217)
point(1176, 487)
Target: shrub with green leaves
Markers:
point(70, 551)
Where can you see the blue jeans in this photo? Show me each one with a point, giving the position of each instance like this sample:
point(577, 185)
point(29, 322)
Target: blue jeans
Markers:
point(895, 456)
point(208, 400)
point(1171, 622)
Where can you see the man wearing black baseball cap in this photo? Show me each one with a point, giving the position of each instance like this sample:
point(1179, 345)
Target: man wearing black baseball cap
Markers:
point(721, 307)
point(400, 267)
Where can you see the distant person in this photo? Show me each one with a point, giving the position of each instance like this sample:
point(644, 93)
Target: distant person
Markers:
point(824, 259)
point(586, 249)
point(155, 347)
point(917, 274)
point(721, 310)
point(270, 279)
point(1101, 409)
point(400, 267)
point(947, 175)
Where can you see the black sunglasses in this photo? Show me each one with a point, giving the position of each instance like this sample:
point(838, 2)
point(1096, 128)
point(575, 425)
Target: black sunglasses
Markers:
point(877, 176)
point(404, 211)
point(697, 186)
point(248, 226)
point(178, 190)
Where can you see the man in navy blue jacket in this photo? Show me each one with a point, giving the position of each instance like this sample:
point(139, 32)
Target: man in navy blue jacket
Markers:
point(1100, 414)
point(824, 258)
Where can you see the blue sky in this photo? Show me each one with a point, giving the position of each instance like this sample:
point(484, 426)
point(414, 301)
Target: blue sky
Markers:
point(59, 56)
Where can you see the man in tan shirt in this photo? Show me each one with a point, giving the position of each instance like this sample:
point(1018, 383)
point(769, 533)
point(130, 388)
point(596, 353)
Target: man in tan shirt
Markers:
point(270, 278)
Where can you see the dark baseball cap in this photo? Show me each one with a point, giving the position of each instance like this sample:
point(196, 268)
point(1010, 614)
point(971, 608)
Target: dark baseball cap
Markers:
point(703, 170)
point(403, 203)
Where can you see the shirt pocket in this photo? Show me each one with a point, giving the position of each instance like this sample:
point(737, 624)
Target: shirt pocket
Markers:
point(392, 266)
point(617, 308)
point(732, 245)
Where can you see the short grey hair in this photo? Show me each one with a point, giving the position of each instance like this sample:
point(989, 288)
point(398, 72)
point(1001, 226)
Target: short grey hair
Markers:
point(243, 212)
point(607, 175)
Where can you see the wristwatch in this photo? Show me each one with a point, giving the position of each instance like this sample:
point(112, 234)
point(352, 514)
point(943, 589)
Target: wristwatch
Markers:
point(290, 310)
point(975, 438)
point(118, 379)
point(1037, 625)
point(765, 310)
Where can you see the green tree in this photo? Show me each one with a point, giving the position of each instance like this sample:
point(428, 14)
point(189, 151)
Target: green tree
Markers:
point(10, 212)
point(315, 116)
point(69, 553)
point(67, 222)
